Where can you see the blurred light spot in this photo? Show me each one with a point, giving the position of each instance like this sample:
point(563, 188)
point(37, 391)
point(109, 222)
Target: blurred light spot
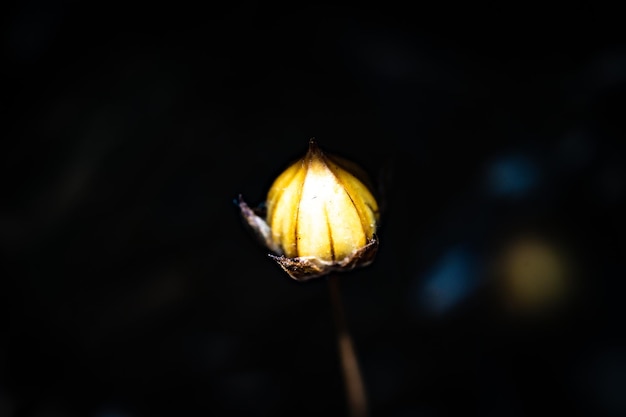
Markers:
point(532, 276)
point(512, 176)
point(453, 277)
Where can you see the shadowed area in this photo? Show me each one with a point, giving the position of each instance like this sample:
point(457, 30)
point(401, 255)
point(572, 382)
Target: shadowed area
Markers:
point(494, 137)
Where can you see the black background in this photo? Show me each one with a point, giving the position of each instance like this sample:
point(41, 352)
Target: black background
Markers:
point(131, 288)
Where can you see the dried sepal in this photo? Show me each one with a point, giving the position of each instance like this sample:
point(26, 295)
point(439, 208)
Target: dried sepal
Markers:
point(305, 268)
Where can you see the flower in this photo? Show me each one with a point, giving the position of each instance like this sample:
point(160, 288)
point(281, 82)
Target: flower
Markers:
point(320, 216)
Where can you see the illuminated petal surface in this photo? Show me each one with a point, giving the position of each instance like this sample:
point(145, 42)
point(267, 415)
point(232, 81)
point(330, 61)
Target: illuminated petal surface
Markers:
point(321, 215)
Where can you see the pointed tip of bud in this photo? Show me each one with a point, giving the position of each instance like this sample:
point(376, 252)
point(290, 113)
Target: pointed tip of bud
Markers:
point(314, 148)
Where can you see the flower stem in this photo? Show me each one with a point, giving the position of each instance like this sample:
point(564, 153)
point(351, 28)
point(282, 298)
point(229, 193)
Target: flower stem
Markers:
point(353, 380)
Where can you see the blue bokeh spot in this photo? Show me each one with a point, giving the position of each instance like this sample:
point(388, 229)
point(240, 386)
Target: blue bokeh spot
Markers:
point(512, 176)
point(452, 278)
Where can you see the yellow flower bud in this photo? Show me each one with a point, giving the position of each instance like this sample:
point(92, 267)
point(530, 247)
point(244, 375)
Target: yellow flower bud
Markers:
point(321, 216)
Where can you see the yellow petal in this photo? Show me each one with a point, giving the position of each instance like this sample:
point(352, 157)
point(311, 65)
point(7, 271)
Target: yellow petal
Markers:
point(282, 209)
point(364, 201)
point(318, 209)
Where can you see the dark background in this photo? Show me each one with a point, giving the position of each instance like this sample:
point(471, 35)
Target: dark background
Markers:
point(131, 288)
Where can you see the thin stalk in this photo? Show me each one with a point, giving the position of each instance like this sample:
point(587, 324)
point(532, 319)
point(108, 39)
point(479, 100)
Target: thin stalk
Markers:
point(353, 380)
